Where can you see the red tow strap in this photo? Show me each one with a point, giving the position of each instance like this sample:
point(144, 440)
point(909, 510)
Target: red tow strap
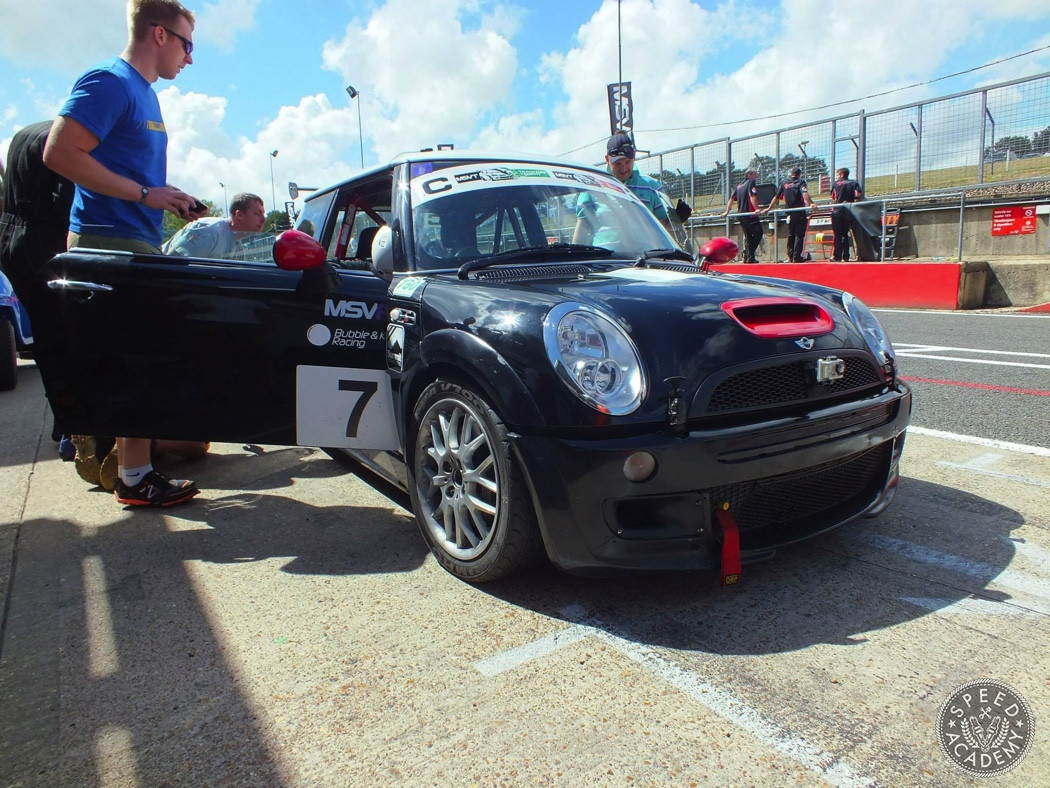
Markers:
point(730, 546)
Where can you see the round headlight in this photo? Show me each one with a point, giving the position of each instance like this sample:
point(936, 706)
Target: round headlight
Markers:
point(595, 357)
point(874, 334)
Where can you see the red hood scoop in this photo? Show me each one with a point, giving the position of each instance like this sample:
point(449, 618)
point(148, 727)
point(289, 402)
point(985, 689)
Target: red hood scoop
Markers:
point(777, 318)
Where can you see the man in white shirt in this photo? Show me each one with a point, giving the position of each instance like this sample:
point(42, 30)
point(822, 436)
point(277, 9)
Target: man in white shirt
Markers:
point(216, 237)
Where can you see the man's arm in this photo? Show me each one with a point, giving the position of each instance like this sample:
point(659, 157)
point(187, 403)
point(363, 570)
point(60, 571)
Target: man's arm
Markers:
point(68, 152)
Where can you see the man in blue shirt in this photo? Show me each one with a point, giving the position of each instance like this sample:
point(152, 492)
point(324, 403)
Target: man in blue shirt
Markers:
point(110, 140)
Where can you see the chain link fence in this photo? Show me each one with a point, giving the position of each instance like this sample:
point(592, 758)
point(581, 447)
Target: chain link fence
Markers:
point(987, 136)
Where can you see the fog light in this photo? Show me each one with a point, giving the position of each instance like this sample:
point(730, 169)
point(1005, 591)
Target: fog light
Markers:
point(639, 466)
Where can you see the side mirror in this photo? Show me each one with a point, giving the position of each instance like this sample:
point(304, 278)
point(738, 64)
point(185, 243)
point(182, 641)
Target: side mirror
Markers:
point(383, 253)
point(296, 251)
point(719, 250)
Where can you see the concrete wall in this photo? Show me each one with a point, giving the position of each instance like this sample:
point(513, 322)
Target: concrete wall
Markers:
point(934, 233)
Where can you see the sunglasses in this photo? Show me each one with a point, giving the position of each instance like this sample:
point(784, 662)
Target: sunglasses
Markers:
point(186, 43)
point(626, 150)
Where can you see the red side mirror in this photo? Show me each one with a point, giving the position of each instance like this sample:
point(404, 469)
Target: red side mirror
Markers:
point(719, 250)
point(296, 251)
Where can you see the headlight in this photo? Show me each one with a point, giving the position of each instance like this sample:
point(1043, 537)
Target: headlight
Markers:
point(871, 329)
point(595, 357)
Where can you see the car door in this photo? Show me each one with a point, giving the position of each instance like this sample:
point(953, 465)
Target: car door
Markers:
point(222, 350)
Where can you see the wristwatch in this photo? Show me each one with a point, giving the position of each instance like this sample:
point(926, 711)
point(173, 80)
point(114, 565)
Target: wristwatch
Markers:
point(145, 194)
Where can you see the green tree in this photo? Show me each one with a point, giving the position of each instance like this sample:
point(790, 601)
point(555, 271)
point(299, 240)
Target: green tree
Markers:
point(1014, 146)
point(172, 223)
point(1041, 142)
point(276, 222)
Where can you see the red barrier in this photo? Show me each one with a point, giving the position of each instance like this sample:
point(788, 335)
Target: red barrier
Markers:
point(889, 284)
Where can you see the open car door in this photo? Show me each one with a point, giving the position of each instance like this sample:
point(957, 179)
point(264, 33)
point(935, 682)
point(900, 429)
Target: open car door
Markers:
point(170, 347)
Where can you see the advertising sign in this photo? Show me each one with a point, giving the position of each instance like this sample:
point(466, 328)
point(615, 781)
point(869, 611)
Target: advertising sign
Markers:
point(1014, 220)
point(621, 108)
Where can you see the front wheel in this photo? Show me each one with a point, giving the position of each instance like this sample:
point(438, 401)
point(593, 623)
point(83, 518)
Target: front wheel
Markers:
point(468, 494)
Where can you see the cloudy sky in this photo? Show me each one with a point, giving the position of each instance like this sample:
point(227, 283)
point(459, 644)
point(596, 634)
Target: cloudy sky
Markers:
point(514, 75)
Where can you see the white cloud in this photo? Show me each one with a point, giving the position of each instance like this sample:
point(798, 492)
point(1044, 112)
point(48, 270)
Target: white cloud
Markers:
point(429, 81)
point(221, 21)
point(62, 35)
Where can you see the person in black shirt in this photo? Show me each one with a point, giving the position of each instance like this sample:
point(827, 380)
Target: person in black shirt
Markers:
point(35, 221)
point(845, 190)
point(746, 198)
point(795, 194)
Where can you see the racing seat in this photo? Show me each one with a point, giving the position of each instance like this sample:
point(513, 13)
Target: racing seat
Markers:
point(363, 250)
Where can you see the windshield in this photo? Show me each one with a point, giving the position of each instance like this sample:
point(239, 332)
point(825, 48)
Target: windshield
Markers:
point(463, 212)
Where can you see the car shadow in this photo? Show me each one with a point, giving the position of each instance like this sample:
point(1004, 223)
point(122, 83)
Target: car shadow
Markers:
point(868, 575)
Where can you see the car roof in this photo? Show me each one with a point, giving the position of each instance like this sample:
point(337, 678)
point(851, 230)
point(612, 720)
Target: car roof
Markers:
point(455, 155)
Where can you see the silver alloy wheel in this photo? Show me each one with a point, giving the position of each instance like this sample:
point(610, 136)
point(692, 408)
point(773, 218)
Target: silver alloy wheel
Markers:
point(458, 482)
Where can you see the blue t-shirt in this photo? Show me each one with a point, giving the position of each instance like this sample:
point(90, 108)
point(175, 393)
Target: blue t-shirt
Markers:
point(115, 103)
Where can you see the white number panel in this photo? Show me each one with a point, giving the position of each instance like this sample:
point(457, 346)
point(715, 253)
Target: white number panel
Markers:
point(340, 407)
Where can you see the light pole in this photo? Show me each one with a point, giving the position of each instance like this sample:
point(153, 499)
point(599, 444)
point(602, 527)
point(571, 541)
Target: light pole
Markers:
point(225, 199)
point(354, 93)
point(273, 191)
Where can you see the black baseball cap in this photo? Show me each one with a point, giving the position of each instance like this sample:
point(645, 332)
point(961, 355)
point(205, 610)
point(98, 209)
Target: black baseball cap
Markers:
point(620, 146)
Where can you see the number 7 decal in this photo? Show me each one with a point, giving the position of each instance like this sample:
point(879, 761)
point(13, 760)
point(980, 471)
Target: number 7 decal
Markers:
point(367, 389)
point(344, 407)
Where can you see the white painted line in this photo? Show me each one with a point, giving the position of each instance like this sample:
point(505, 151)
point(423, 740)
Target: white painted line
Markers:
point(988, 361)
point(1035, 590)
point(984, 607)
point(982, 465)
point(905, 348)
point(950, 313)
point(1039, 451)
point(731, 708)
point(506, 660)
point(719, 701)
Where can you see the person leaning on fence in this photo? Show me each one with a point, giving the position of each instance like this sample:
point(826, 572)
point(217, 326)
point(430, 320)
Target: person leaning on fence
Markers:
point(845, 190)
point(218, 237)
point(745, 198)
point(795, 194)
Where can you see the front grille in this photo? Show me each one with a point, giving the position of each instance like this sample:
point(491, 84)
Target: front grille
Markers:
point(785, 508)
point(785, 384)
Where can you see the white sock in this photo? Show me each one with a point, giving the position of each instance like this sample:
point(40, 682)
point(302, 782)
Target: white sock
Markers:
point(132, 476)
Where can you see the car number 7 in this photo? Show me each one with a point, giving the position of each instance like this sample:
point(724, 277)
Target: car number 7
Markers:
point(367, 389)
point(344, 407)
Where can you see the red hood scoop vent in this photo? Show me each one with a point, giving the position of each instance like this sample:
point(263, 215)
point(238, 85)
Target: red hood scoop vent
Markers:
point(777, 318)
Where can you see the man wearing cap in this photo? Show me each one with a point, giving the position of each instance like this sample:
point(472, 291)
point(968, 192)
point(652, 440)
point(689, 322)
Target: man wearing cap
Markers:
point(619, 157)
point(746, 198)
point(845, 190)
point(796, 195)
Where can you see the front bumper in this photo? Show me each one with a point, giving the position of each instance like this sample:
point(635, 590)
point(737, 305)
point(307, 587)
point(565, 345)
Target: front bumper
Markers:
point(784, 480)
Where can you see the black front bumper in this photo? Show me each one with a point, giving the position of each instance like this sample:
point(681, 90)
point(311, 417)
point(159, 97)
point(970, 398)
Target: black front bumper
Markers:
point(783, 480)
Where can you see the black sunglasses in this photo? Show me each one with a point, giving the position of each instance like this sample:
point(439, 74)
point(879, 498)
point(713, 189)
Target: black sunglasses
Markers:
point(186, 43)
point(625, 150)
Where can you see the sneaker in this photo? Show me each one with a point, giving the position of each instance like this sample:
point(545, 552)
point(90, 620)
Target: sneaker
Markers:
point(86, 460)
point(66, 450)
point(155, 489)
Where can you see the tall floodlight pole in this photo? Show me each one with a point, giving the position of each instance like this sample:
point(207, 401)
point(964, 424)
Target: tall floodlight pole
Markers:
point(354, 93)
point(226, 200)
point(273, 191)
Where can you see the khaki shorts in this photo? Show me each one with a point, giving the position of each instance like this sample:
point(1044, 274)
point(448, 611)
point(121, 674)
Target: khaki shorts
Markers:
point(89, 241)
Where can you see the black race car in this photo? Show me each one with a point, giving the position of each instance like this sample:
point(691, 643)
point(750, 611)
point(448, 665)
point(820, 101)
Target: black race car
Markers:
point(520, 345)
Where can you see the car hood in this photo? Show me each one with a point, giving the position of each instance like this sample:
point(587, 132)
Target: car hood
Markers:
point(681, 321)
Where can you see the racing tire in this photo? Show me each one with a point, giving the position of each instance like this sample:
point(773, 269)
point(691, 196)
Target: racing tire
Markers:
point(8, 356)
point(468, 493)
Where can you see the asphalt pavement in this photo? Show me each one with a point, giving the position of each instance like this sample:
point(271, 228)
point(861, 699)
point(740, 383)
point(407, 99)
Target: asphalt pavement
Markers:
point(288, 627)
